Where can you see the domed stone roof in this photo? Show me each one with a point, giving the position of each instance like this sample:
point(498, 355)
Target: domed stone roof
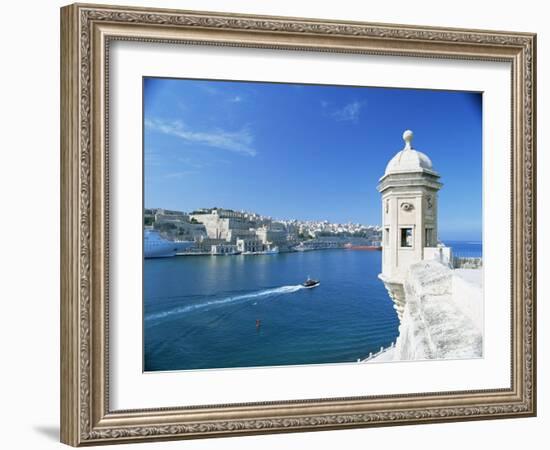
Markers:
point(409, 160)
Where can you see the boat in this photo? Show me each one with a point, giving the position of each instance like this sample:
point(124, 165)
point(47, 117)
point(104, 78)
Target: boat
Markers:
point(155, 246)
point(310, 283)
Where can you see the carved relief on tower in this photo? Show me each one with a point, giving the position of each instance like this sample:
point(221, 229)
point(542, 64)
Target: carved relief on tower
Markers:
point(406, 208)
point(430, 205)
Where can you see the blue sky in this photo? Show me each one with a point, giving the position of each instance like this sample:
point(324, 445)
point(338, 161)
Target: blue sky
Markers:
point(305, 151)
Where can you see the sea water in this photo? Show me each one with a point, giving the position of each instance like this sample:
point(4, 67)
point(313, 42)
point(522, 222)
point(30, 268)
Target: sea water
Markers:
point(205, 312)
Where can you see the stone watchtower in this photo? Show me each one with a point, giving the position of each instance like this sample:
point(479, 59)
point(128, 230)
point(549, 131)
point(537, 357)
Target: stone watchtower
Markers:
point(409, 216)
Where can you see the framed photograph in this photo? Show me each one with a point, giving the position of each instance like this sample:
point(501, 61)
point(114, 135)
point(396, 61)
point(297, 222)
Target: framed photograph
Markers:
point(277, 224)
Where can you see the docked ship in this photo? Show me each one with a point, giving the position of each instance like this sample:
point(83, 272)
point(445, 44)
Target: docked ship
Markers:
point(155, 246)
point(303, 248)
point(350, 246)
point(271, 251)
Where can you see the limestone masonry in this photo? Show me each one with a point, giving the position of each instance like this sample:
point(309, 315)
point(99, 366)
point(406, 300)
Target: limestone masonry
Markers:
point(440, 307)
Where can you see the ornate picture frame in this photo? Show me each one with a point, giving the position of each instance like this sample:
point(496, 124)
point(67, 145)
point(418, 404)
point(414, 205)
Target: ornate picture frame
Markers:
point(87, 31)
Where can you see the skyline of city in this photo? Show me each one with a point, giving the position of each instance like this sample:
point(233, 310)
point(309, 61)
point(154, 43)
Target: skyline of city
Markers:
point(309, 153)
point(260, 214)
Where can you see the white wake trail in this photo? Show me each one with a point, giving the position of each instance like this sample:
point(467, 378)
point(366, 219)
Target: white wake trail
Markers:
point(233, 299)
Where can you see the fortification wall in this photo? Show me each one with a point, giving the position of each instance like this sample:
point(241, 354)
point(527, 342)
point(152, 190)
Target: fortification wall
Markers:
point(443, 314)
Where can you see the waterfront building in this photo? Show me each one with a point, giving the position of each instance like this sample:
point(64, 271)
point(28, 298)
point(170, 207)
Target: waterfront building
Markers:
point(250, 245)
point(224, 249)
point(204, 244)
point(273, 237)
point(234, 234)
point(219, 222)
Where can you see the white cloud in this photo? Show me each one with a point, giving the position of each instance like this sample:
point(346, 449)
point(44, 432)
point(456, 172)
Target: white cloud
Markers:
point(181, 174)
point(236, 99)
point(349, 112)
point(234, 141)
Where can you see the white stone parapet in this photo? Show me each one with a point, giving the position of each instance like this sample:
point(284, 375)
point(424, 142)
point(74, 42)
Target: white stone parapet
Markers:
point(444, 255)
point(442, 313)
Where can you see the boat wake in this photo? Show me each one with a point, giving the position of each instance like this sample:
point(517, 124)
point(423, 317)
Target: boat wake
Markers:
point(227, 300)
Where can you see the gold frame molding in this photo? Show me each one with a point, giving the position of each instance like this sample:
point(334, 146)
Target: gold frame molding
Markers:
point(86, 31)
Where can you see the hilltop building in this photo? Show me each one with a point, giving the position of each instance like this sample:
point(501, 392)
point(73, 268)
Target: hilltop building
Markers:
point(223, 223)
point(177, 225)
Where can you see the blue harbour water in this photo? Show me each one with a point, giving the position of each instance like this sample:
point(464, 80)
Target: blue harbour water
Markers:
point(201, 312)
point(465, 249)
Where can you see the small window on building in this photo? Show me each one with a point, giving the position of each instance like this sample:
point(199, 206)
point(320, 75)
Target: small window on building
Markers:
point(406, 237)
point(387, 237)
point(429, 237)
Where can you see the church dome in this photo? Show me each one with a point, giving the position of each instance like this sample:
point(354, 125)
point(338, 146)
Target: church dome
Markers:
point(409, 160)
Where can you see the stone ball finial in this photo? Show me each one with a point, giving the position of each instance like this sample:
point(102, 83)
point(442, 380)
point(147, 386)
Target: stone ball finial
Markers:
point(407, 137)
point(408, 159)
